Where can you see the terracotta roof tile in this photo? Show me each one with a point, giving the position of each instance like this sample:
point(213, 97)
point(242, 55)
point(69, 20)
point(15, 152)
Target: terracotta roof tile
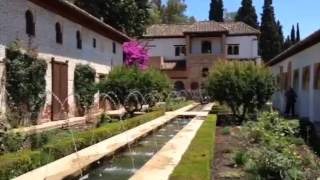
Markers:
point(160, 30)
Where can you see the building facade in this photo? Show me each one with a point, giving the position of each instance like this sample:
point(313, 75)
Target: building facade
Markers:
point(187, 52)
point(299, 68)
point(64, 36)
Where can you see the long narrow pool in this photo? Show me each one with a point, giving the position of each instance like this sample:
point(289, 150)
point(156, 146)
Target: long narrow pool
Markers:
point(124, 164)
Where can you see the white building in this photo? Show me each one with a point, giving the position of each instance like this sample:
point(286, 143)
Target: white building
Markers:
point(299, 68)
point(64, 36)
point(186, 52)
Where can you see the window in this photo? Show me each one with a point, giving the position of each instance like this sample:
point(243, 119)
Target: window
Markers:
point(179, 86)
point(205, 72)
point(114, 48)
point(306, 78)
point(206, 47)
point(94, 43)
point(79, 40)
point(194, 86)
point(59, 38)
point(30, 24)
point(233, 49)
point(180, 49)
point(317, 76)
point(296, 79)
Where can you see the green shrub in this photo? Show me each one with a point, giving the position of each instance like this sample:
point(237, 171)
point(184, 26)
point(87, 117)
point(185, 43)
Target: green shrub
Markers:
point(226, 131)
point(84, 86)
point(123, 81)
point(25, 83)
point(240, 157)
point(12, 142)
point(243, 86)
point(273, 152)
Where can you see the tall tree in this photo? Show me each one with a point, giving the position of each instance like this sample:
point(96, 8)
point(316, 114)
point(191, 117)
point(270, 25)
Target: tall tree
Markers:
point(270, 44)
point(247, 14)
point(287, 43)
point(293, 35)
point(281, 36)
point(157, 3)
point(216, 10)
point(174, 12)
point(129, 16)
point(298, 33)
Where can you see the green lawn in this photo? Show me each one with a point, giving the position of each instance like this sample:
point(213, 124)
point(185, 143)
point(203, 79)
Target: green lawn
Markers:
point(196, 163)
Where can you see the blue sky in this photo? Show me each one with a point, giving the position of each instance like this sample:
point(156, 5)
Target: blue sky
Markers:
point(306, 12)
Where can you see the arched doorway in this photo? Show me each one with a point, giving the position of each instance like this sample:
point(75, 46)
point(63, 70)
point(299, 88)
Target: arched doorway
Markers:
point(194, 86)
point(179, 86)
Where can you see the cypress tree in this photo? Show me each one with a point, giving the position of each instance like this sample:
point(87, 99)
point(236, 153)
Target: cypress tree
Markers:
point(293, 35)
point(298, 33)
point(281, 37)
point(216, 10)
point(287, 43)
point(270, 45)
point(247, 14)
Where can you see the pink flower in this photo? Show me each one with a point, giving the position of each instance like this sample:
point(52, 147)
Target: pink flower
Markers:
point(135, 54)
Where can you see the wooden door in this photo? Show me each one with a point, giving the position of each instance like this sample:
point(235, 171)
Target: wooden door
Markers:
point(60, 91)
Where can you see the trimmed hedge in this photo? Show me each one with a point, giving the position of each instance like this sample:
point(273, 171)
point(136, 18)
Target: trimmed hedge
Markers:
point(15, 164)
point(197, 161)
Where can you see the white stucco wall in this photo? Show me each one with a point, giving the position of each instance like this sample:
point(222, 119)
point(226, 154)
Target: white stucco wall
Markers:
point(165, 47)
point(248, 46)
point(12, 21)
point(308, 102)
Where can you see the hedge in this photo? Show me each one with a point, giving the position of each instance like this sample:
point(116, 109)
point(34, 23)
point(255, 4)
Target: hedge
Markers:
point(196, 163)
point(15, 164)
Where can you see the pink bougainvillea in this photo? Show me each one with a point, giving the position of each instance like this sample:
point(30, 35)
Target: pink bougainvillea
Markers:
point(136, 54)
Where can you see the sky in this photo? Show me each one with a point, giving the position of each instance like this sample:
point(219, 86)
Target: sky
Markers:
point(289, 12)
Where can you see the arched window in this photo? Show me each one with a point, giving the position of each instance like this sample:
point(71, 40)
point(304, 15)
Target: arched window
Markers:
point(30, 24)
point(79, 40)
point(306, 78)
point(205, 72)
point(179, 86)
point(317, 77)
point(206, 47)
point(59, 37)
point(194, 86)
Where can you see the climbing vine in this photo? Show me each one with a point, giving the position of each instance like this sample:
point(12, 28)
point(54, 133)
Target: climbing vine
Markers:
point(84, 87)
point(25, 85)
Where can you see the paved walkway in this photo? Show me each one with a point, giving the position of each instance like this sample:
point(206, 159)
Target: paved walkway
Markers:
point(71, 164)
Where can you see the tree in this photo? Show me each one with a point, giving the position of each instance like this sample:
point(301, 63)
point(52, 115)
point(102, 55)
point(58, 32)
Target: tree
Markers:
point(173, 12)
point(281, 36)
point(84, 87)
point(287, 43)
point(247, 14)
point(270, 45)
point(130, 16)
point(293, 35)
point(243, 86)
point(298, 33)
point(216, 10)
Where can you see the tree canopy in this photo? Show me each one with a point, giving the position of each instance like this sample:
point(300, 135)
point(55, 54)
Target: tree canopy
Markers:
point(247, 14)
point(270, 44)
point(216, 11)
point(129, 16)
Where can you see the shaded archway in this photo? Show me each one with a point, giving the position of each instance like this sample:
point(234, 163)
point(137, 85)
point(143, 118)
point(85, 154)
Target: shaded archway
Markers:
point(179, 86)
point(194, 86)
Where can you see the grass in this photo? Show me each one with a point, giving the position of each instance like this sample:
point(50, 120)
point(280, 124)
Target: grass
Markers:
point(196, 163)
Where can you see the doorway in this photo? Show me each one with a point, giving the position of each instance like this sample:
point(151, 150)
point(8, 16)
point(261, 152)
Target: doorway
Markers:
point(59, 90)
